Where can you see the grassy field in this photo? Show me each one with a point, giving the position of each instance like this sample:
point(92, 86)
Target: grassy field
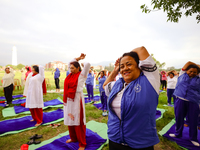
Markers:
point(14, 141)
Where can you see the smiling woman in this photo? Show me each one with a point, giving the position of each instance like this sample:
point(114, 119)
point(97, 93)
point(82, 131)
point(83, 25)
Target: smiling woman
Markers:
point(132, 102)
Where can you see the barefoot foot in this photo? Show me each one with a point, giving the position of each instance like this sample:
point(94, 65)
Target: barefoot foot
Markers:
point(38, 124)
point(32, 120)
point(81, 148)
point(69, 141)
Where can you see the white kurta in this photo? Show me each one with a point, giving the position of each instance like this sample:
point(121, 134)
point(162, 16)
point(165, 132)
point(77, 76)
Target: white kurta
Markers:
point(34, 96)
point(72, 107)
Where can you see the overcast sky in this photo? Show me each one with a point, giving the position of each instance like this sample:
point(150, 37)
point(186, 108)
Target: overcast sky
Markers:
point(50, 30)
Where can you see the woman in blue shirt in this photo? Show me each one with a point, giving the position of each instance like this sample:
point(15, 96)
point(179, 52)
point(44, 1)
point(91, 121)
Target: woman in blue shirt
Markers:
point(187, 94)
point(132, 102)
point(89, 85)
point(56, 77)
point(101, 80)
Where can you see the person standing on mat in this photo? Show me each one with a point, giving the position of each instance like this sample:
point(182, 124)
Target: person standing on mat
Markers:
point(101, 80)
point(34, 93)
point(187, 94)
point(56, 78)
point(132, 102)
point(89, 85)
point(8, 80)
point(74, 103)
point(171, 84)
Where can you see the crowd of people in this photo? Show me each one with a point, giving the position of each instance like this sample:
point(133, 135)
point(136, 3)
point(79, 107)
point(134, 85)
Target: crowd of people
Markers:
point(129, 96)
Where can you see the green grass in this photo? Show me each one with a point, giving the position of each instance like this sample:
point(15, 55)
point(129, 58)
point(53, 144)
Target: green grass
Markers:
point(13, 142)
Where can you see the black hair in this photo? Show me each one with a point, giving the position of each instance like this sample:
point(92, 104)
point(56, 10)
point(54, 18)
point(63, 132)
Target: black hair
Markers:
point(103, 72)
point(171, 73)
point(76, 64)
point(27, 69)
point(134, 55)
point(36, 68)
point(193, 66)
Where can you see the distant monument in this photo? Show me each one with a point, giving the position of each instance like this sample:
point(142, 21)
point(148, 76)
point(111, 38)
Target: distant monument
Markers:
point(14, 56)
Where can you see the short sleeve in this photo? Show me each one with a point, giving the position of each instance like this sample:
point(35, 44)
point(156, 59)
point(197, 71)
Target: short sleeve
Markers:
point(108, 88)
point(150, 70)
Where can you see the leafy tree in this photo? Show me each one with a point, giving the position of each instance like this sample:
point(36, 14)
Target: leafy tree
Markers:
point(158, 64)
point(14, 67)
point(170, 68)
point(1, 66)
point(20, 66)
point(175, 8)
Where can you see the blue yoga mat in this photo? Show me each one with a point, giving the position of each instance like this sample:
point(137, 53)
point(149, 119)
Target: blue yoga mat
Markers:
point(184, 140)
point(19, 109)
point(14, 96)
point(24, 122)
point(96, 98)
point(93, 140)
point(99, 105)
point(19, 101)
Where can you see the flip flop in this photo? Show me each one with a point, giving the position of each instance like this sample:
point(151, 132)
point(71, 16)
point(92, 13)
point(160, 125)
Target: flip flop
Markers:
point(51, 125)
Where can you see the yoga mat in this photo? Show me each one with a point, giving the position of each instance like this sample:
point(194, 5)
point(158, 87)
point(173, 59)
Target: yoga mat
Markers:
point(161, 91)
point(99, 128)
point(98, 105)
point(96, 98)
point(93, 140)
point(12, 126)
point(184, 140)
point(19, 109)
point(14, 96)
point(170, 105)
point(10, 111)
point(18, 101)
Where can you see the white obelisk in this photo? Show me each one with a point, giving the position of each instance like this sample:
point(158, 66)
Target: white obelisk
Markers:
point(14, 56)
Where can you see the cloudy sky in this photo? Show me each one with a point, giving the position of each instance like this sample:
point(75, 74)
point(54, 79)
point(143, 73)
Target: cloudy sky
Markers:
point(50, 30)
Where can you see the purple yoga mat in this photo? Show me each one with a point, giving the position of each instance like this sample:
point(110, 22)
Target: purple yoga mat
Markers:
point(24, 122)
point(183, 141)
point(19, 109)
point(14, 96)
point(93, 140)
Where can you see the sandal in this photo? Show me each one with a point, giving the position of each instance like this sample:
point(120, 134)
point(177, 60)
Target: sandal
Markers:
point(35, 136)
point(51, 125)
point(56, 125)
point(33, 142)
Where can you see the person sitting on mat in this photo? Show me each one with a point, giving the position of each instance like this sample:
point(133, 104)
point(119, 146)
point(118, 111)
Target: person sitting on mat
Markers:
point(74, 103)
point(8, 80)
point(33, 91)
point(171, 84)
point(101, 80)
point(89, 85)
point(132, 102)
point(187, 94)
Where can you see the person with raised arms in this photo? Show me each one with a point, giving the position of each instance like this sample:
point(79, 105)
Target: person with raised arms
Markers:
point(187, 94)
point(8, 80)
point(103, 96)
point(171, 84)
point(74, 103)
point(132, 102)
point(34, 93)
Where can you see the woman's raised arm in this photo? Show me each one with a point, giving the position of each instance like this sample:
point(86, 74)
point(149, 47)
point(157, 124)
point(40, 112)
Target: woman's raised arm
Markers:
point(142, 52)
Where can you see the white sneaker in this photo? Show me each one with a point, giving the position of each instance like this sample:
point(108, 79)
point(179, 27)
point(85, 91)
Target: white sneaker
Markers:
point(195, 143)
point(172, 135)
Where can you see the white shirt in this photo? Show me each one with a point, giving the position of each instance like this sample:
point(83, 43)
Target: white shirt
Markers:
point(152, 77)
point(72, 107)
point(171, 82)
point(34, 98)
point(8, 78)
